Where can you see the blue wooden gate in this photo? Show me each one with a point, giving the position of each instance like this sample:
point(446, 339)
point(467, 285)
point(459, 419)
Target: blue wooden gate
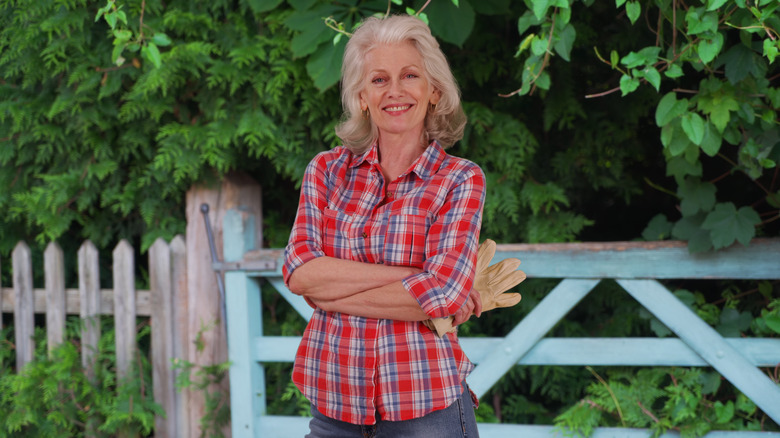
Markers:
point(636, 266)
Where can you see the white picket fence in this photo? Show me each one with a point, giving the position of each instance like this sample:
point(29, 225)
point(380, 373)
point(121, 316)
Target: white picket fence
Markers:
point(167, 278)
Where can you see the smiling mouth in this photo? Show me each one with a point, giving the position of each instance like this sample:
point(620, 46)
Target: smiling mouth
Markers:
point(398, 108)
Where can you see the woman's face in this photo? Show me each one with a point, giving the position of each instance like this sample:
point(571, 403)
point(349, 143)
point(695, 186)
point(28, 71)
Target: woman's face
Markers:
point(396, 91)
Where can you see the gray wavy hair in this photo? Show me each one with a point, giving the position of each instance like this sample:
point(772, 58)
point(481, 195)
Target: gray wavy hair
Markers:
point(444, 122)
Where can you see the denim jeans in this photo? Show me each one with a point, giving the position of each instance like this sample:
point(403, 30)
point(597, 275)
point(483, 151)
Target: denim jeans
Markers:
point(457, 420)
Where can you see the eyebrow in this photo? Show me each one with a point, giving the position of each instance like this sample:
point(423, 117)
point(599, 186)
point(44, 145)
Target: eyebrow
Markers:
point(406, 67)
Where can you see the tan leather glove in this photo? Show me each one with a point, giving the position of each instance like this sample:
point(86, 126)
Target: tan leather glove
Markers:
point(491, 282)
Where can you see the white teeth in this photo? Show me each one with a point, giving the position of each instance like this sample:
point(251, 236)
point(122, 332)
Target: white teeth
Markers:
point(397, 108)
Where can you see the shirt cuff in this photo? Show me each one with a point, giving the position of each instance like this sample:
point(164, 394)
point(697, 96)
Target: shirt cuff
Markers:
point(427, 291)
point(296, 256)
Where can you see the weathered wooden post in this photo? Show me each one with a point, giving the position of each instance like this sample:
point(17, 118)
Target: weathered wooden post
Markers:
point(23, 305)
point(89, 299)
point(124, 306)
point(54, 282)
point(237, 192)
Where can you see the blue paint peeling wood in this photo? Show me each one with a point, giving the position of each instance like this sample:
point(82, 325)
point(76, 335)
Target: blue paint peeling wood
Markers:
point(707, 343)
point(573, 351)
point(532, 328)
point(581, 266)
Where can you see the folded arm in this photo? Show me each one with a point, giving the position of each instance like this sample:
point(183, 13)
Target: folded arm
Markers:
point(329, 278)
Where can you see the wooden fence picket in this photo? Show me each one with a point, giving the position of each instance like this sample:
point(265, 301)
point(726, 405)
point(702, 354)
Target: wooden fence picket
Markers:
point(54, 283)
point(89, 297)
point(124, 306)
point(24, 314)
point(180, 340)
point(166, 303)
point(162, 335)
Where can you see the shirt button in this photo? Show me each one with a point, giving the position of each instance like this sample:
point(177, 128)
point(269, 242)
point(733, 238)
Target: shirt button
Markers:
point(365, 235)
point(389, 194)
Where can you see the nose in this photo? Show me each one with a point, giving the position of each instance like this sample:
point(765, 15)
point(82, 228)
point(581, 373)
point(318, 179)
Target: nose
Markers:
point(395, 89)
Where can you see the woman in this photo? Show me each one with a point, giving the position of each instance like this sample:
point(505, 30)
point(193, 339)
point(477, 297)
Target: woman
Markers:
point(386, 237)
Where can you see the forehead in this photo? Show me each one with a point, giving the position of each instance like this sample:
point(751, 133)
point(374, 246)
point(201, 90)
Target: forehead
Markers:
point(393, 56)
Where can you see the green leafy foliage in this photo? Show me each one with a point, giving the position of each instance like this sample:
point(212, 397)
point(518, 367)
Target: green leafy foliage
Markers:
point(676, 128)
point(54, 397)
point(107, 151)
point(729, 112)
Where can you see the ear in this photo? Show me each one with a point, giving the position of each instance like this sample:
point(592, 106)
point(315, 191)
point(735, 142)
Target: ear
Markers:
point(363, 104)
point(435, 97)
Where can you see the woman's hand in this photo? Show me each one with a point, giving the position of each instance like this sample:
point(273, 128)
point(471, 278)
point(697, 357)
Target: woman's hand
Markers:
point(472, 306)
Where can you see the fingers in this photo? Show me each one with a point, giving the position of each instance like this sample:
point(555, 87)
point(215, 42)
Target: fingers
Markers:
point(462, 315)
point(508, 300)
point(485, 254)
point(477, 299)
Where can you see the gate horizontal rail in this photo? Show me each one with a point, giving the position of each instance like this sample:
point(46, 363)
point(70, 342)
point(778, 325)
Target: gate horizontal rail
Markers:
point(636, 266)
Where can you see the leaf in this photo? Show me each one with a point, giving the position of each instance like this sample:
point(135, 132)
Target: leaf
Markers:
point(709, 48)
point(653, 77)
point(669, 108)
point(771, 49)
point(733, 323)
point(674, 139)
point(450, 23)
point(161, 39)
point(259, 6)
point(694, 127)
point(773, 322)
point(659, 228)
point(111, 19)
point(539, 45)
point(728, 224)
point(302, 21)
point(715, 4)
point(628, 84)
point(152, 53)
point(724, 413)
point(773, 199)
point(302, 5)
point(679, 168)
point(527, 20)
point(720, 114)
point(674, 71)
point(710, 382)
point(740, 62)
point(689, 228)
point(696, 196)
point(619, 3)
point(633, 10)
point(646, 56)
point(539, 7)
point(308, 41)
point(324, 66)
point(699, 21)
point(711, 141)
point(565, 42)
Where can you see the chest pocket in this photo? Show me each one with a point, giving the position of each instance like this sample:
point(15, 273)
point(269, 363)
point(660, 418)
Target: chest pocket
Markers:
point(336, 228)
point(406, 237)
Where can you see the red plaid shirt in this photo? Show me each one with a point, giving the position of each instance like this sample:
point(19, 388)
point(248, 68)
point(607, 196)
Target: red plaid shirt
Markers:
point(351, 367)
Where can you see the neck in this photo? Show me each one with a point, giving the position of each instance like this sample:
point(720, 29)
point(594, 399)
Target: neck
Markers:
point(398, 152)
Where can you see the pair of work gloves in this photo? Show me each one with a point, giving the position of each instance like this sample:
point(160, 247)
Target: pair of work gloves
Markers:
point(491, 282)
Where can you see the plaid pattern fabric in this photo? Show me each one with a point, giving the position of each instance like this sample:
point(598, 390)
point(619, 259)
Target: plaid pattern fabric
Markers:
point(350, 367)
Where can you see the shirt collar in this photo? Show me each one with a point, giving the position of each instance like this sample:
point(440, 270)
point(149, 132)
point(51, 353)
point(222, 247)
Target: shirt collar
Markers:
point(426, 165)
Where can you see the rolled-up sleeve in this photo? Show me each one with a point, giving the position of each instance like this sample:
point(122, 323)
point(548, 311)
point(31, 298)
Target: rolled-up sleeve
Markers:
point(451, 248)
point(305, 241)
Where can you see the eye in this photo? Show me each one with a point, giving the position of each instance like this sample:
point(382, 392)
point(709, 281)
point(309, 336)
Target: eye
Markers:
point(411, 76)
point(378, 80)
